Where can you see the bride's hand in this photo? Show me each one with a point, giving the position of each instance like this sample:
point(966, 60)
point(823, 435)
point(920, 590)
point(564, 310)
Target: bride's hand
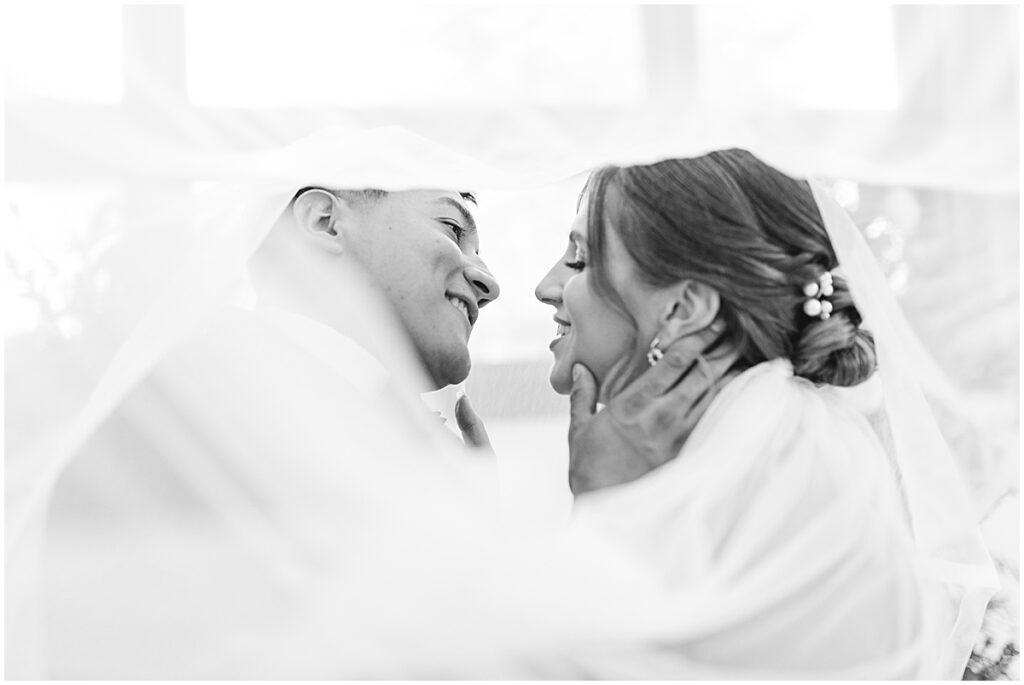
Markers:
point(646, 424)
point(474, 434)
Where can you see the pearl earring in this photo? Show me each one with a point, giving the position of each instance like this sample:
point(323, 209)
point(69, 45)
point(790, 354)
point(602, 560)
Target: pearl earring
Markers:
point(654, 353)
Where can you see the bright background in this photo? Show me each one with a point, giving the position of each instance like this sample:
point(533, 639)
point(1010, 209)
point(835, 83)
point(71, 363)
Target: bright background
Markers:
point(910, 113)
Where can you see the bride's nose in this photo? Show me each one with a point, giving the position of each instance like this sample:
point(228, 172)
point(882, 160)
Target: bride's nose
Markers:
point(549, 290)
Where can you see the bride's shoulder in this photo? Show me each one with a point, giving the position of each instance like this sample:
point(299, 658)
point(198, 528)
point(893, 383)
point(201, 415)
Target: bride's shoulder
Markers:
point(767, 415)
point(775, 378)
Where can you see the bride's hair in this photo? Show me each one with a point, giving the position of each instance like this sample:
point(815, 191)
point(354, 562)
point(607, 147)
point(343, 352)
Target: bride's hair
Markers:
point(752, 233)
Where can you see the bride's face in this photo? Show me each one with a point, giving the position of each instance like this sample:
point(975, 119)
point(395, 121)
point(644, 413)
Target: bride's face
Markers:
point(590, 330)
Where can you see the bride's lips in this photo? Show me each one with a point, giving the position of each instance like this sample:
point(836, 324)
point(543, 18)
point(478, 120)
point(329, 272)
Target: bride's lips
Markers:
point(561, 332)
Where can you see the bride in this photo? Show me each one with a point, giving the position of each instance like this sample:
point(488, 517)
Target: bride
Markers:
point(756, 482)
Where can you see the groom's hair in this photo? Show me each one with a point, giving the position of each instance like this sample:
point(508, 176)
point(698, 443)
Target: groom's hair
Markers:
point(753, 234)
point(356, 198)
point(366, 196)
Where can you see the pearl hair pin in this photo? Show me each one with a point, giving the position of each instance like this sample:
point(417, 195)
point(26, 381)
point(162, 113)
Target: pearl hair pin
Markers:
point(816, 292)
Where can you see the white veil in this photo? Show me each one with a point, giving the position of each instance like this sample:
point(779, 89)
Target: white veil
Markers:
point(946, 533)
point(363, 550)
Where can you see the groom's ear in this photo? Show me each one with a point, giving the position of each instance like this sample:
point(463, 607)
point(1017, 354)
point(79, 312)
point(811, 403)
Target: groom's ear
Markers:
point(691, 307)
point(321, 215)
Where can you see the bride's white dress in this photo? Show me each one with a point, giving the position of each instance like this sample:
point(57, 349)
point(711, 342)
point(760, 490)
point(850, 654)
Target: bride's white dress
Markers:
point(779, 536)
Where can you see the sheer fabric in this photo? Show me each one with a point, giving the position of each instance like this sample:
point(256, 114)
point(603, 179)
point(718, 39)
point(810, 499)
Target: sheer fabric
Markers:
point(947, 537)
point(263, 501)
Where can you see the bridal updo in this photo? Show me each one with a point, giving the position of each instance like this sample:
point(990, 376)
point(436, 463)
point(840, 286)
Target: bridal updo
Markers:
point(752, 233)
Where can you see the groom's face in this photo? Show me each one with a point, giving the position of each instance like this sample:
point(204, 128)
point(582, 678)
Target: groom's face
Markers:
point(421, 250)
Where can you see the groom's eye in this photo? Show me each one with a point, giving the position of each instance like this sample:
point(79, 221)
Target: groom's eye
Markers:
point(457, 230)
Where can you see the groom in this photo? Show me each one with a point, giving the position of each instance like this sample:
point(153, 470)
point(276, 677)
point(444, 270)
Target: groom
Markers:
point(419, 249)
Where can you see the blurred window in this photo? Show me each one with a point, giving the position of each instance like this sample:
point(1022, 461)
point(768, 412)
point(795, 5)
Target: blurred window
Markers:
point(64, 52)
point(799, 57)
point(369, 55)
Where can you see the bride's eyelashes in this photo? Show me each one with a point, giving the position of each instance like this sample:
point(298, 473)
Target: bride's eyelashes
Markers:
point(578, 262)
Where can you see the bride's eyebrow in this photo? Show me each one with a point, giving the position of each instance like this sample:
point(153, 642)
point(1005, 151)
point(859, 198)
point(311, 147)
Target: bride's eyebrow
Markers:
point(576, 237)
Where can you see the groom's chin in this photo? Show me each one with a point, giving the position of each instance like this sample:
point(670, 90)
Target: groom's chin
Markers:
point(451, 369)
point(439, 382)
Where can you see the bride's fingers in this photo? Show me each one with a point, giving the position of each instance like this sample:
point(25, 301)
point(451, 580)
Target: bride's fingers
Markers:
point(685, 421)
point(582, 398)
point(474, 433)
point(701, 379)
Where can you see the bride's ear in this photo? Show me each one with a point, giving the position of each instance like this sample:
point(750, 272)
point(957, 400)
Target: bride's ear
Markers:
point(321, 215)
point(690, 308)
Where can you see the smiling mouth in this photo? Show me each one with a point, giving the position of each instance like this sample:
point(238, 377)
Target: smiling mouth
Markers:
point(560, 332)
point(462, 307)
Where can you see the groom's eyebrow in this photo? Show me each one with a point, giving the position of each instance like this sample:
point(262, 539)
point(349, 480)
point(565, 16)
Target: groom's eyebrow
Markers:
point(467, 218)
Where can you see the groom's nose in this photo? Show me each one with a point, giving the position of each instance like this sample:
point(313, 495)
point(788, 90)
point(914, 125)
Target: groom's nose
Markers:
point(484, 284)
